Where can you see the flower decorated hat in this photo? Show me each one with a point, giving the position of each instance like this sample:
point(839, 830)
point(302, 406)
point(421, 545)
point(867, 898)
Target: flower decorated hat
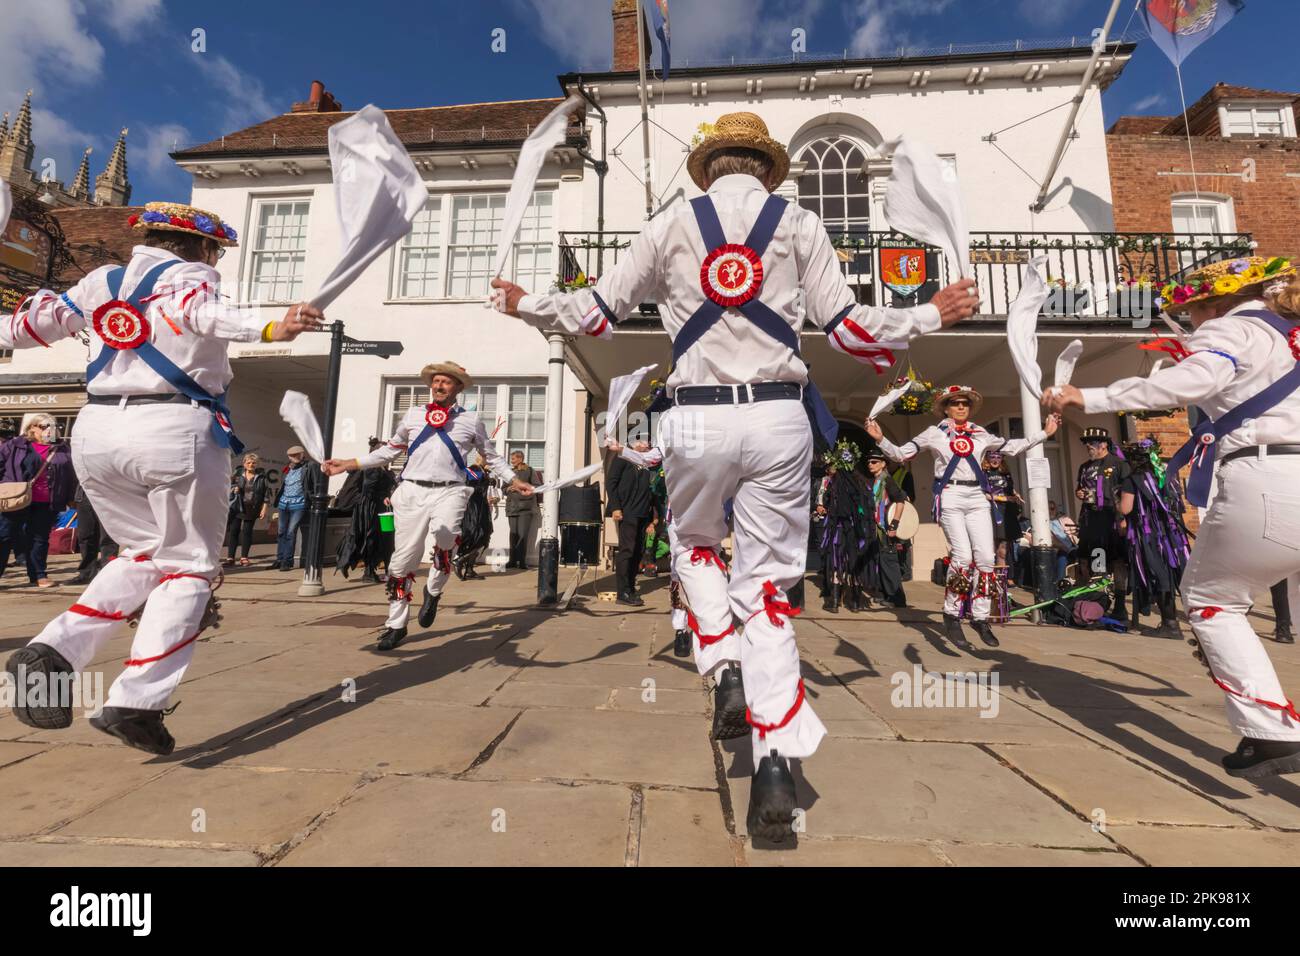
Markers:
point(1243, 276)
point(946, 395)
point(843, 457)
point(178, 217)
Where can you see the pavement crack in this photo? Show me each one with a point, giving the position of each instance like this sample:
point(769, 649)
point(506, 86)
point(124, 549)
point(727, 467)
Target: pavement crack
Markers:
point(490, 749)
point(635, 817)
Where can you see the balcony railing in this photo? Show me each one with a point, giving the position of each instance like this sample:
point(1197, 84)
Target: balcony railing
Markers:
point(1096, 276)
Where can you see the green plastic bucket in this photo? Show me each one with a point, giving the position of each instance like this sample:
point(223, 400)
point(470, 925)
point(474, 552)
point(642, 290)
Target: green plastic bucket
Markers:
point(385, 521)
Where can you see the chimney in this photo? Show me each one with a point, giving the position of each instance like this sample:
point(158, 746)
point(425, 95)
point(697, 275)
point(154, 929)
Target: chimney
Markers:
point(625, 56)
point(319, 100)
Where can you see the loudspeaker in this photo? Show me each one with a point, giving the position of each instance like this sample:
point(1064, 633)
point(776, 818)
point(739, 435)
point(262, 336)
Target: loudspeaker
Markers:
point(580, 504)
point(579, 543)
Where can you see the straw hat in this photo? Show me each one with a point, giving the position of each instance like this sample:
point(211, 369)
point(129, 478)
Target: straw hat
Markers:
point(946, 395)
point(1228, 277)
point(178, 217)
point(739, 129)
point(446, 368)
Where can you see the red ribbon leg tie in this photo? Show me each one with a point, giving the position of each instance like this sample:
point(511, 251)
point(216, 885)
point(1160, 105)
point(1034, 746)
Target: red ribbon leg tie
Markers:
point(707, 556)
point(775, 608)
point(765, 729)
point(1288, 708)
point(95, 612)
point(705, 639)
point(140, 661)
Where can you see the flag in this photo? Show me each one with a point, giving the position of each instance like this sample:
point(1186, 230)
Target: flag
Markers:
point(663, 33)
point(1179, 26)
point(377, 191)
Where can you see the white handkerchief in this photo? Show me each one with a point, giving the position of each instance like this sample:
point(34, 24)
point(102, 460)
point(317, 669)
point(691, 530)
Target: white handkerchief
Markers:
point(582, 474)
point(1022, 325)
point(922, 199)
point(1066, 361)
point(887, 400)
point(621, 390)
point(295, 409)
point(6, 204)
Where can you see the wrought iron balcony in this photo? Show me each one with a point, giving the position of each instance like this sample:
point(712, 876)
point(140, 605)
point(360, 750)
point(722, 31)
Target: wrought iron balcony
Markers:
point(1101, 277)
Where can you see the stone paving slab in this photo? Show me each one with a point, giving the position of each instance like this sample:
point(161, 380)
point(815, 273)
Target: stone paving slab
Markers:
point(680, 828)
point(1196, 846)
point(119, 855)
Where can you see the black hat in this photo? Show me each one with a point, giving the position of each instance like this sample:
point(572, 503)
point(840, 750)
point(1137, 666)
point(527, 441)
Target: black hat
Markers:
point(875, 454)
point(1093, 433)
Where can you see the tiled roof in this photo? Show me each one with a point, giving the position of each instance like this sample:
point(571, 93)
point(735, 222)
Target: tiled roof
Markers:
point(1203, 115)
point(487, 124)
point(1128, 125)
point(96, 236)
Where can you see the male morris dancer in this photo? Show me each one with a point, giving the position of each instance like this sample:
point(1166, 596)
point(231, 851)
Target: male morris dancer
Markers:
point(1241, 366)
point(431, 498)
point(736, 272)
point(152, 448)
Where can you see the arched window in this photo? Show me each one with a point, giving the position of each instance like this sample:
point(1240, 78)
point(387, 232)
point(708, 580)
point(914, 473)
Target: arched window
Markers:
point(831, 186)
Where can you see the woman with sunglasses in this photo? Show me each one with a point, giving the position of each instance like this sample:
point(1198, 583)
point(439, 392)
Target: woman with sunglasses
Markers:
point(962, 502)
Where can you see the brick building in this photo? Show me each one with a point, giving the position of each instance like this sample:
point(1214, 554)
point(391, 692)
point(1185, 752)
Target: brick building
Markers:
point(1247, 159)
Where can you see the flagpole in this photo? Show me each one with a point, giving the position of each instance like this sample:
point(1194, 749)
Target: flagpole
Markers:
point(645, 114)
point(1187, 129)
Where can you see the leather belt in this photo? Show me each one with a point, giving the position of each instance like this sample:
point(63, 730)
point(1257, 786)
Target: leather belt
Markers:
point(736, 394)
point(1253, 451)
point(970, 482)
point(433, 484)
point(171, 398)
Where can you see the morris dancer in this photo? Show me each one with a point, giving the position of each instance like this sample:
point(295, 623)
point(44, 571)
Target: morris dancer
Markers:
point(884, 569)
point(152, 449)
point(1242, 368)
point(847, 534)
point(961, 502)
point(734, 312)
point(1100, 541)
point(1151, 509)
point(430, 501)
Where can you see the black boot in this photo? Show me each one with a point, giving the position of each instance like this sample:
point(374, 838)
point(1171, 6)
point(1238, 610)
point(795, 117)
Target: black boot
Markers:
point(831, 599)
point(952, 627)
point(1254, 759)
point(141, 729)
point(682, 643)
point(729, 706)
point(1169, 619)
point(986, 633)
point(1120, 611)
point(429, 609)
point(630, 598)
point(37, 709)
point(771, 801)
point(390, 637)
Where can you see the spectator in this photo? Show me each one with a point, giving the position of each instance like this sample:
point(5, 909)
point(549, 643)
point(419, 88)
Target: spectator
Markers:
point(1065, 538)
point(630, 505)
point(38, 456)
point(521, 512)
point(97, 547)
point(302, 481)
point(247, 507)
point(366, 493)
point(8, 430)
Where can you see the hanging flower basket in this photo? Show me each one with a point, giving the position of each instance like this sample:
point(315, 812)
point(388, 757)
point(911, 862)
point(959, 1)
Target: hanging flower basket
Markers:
point(918, 399)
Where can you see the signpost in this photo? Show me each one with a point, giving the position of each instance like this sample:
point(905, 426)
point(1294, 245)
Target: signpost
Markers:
point(384, 350)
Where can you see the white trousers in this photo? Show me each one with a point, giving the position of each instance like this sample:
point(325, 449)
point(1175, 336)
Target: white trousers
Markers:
point(967, 523)
point(159, 484)
point(426, 525)
point(759, 455)
point(679, 618)
point(1249, 540)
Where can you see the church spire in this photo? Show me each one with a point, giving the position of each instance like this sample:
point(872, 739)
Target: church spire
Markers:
point(81, 185)
point(112, 188)
point(16, 149)
point(22, 131)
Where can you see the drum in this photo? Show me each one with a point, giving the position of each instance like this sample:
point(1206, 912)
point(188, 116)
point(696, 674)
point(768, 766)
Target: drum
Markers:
point(908, 522)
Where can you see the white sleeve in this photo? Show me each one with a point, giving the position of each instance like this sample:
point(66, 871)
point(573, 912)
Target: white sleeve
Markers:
point(1018, 446)
point(865, 333)
point(498, 467)
point(391, 449)
point(646, 459)
point(44, 318)
point(1207, 371)
point(193, 297)
point(594, 311)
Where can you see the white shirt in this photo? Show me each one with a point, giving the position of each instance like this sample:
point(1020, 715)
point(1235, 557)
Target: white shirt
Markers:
point(189, 323)
point(432, 461)
point(938, 439)
point(801, 277)
point(1233, 357)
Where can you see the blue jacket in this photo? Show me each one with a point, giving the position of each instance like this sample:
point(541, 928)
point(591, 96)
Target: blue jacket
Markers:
point(20, 462)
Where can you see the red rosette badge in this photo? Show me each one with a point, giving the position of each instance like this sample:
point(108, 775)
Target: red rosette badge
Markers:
point(1293, 339)
point(731, 274)
point(961, 446)
point(436, 417)
point(120, 326)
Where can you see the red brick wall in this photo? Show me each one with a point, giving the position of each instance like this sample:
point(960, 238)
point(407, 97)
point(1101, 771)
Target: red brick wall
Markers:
point(1268, 208)
point(625, 53)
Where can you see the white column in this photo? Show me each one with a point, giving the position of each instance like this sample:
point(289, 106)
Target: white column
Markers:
point(1032, 418)
point(554, 421)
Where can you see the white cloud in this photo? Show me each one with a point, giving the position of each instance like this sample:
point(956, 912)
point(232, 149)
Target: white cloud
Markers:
point(1037, 13)
point(125, 16)
point(880, 27)
point(1147, 102)
point(581, 30)
point(241, 94)
point(156, 143)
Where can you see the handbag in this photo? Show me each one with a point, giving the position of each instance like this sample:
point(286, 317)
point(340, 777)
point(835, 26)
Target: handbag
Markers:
point(17, 495)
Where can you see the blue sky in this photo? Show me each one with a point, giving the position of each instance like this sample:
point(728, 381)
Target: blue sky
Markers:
point(99, 65)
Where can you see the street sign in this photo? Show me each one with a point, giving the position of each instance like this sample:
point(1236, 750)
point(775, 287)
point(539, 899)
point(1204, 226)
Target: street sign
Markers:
point(384, 350)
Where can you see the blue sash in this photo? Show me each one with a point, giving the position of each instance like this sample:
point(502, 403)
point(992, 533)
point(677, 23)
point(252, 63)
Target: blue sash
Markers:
point(429, 431)
point(169, 371)
point(708, 314)
point(971, 460)
point(1199, 449)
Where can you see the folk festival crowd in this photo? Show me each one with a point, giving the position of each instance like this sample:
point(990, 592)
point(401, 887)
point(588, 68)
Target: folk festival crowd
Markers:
point(737, 271)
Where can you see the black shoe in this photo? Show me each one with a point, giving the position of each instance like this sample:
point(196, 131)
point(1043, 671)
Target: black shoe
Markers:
point(510, 564)
point(986, 633)
point(630, 598)
point(391, 637)
point(729, 706)
point(1170, 629)
point(83, 577)
point(1120, 611)
point(1254, 759)
point(682, 643)
point(899, 600)
point(287, 567)
point(952, 627)
point(1283, 636)
point(831, 599)
point(771, 801)
point(37, 710)
point(141, 729)
point(429, 609)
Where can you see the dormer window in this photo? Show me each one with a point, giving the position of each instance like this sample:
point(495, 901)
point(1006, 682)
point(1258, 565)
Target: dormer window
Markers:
point(1257, 119)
